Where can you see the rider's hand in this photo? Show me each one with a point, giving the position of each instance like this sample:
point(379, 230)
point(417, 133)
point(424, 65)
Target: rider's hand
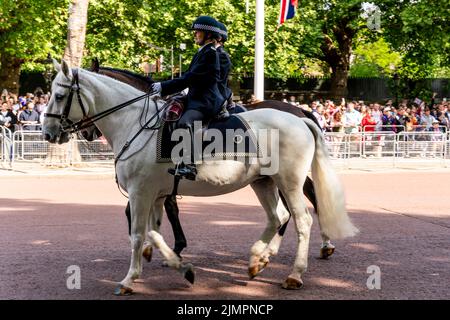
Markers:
point(156, 89)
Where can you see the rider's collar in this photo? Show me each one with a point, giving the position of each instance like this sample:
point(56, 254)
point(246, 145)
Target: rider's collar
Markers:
point(200, 49)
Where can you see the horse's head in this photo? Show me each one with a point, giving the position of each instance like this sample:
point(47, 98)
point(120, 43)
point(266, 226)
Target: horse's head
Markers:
point(68, 104)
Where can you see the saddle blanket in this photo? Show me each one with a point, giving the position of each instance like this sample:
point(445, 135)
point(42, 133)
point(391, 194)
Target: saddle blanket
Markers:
point(230, 139)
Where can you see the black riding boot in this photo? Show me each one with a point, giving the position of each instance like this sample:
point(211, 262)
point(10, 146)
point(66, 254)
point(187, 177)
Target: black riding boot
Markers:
point(188, 171)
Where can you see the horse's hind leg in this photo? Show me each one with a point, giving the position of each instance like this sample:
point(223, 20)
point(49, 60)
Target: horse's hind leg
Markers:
point(327, 248)
point(278, 217)
point(303, 222)
point(154, 223)
point(290, 184)
point(171, 206)
point(172, 259)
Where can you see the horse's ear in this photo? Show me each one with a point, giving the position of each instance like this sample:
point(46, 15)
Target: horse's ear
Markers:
point(56, 65)
point(66, 70)
point(95, 65)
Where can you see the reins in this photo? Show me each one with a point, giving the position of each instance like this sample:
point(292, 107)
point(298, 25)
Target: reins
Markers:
point(86, 122)
point(69, 126)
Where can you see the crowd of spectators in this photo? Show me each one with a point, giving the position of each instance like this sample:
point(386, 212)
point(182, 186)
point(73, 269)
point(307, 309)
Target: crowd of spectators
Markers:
point(24, 112)
point(356, 116)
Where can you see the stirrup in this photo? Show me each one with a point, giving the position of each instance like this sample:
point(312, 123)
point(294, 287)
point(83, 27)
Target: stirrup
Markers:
point(188, 171)
point(174, 171)
point(185, 171)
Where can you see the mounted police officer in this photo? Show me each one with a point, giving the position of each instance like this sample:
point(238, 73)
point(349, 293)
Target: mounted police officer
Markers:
point(225, 66)
point(204, 100)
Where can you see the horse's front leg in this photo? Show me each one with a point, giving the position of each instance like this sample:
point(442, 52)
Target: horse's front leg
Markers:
point(140, 205)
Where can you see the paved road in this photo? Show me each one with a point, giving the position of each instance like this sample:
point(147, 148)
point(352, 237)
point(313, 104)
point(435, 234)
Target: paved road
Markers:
point(48, 224)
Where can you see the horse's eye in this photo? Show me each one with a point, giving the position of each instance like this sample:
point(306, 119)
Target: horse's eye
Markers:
point(59, 97)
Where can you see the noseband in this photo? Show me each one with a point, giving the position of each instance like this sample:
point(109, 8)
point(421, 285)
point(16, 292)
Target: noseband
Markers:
point(66, 123)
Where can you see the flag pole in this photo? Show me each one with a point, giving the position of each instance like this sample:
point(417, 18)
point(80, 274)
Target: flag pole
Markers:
point(259, 51)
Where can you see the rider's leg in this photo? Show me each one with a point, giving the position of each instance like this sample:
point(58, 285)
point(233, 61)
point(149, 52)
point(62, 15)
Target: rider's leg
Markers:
point(187, 122)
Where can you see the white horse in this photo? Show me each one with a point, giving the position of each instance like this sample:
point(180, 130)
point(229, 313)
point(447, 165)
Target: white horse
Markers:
point(147, 182)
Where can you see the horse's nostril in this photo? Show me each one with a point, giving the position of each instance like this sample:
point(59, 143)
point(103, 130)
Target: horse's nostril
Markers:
point(47, 136)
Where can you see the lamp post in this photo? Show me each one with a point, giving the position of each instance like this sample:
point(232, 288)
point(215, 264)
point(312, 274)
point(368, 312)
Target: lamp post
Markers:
point(48, 73)
point(259, 51)
point(182, 48)
point(396, 83)
point(164, 49)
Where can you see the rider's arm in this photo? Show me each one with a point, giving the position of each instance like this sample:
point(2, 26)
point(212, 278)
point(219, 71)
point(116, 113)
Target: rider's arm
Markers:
point(205, 70)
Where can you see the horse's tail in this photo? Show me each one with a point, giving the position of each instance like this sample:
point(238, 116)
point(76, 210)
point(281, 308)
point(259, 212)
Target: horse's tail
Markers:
point(333, 218)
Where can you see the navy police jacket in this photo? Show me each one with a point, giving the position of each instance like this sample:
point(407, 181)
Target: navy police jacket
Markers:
point(225, 67)
point(202, 80)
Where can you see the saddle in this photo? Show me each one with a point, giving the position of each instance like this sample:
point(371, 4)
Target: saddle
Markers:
point(227, 138)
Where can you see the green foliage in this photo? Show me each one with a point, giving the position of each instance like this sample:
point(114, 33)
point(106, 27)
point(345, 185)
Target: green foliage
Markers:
point(374, 60)
point(420, 32)
point(124, 41)
point(30, 29)
point(414, 34)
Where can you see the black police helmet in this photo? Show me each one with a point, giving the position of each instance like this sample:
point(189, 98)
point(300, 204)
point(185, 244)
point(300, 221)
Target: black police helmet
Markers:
point(223, 31)
point(207, 24)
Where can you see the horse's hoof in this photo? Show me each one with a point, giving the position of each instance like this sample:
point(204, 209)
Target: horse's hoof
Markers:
point(258, 268)
point(147, 253)
point(326, 252)
point(121, 290)
point(253, 271)
point(188, 272)
point(262, 264)
point(292, 284)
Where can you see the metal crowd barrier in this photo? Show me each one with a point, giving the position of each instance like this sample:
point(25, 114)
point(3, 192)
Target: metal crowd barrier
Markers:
point(5, 145)
point(385, 145)
point(29, 146)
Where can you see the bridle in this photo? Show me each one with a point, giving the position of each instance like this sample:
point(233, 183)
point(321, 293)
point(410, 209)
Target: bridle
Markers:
point(67, 125)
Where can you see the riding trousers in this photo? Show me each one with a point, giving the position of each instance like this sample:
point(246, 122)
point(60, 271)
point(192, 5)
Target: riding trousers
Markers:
point(187, 122)
point(187, 119)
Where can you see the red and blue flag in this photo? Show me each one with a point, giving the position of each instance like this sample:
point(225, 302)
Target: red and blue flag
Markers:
point(287, 10)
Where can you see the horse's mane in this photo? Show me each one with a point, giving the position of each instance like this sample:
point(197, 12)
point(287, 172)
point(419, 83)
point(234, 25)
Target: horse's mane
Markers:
point(129, 73)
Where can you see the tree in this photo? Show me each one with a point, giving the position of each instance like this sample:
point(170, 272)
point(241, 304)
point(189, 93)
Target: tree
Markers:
point(29, 30)
point(331, 30)
point(126, 40)
point(420, 32)
point(375, 59)
point(76, 32)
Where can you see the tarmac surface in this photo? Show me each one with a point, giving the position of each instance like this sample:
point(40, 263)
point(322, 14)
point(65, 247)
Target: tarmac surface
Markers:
point(53, 219)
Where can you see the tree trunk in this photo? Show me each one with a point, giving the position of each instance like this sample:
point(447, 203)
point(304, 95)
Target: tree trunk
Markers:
point(339, 79)
point(63, 155)
point(10, 72)
point(338, 57)
point(78, 10)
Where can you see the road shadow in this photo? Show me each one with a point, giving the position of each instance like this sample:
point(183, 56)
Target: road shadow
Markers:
point(41, 239)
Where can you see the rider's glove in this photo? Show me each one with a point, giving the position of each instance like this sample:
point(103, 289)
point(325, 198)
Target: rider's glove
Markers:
point(156, 90)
